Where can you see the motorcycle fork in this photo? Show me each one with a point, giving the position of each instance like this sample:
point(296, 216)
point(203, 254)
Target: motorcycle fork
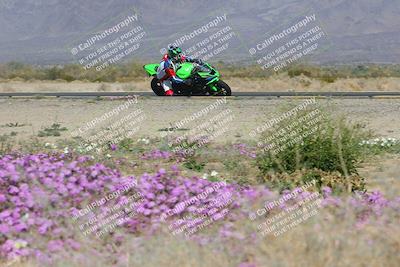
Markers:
point(212, 84)
point(214, 88)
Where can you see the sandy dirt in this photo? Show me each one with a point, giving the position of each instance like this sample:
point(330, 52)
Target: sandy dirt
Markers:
point(26, 117)
point(273, 83)
point(383, 174)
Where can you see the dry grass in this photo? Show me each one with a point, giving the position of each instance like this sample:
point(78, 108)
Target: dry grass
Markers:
point(281, 82)
point(323, 240)
point(76, 86)
point(16, 77)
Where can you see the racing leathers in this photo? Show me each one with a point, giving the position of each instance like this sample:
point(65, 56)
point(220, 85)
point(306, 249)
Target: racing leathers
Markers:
point(166, 72)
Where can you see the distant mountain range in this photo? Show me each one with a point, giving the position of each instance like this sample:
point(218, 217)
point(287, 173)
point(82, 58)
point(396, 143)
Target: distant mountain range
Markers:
point(45, 31)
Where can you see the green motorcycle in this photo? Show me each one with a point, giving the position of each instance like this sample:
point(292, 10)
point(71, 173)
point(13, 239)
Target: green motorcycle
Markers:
point(199, 80)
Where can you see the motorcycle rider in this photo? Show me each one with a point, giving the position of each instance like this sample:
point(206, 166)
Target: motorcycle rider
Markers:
point(166, 71)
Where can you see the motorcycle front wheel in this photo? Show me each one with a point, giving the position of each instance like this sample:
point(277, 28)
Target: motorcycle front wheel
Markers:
point(223, 89)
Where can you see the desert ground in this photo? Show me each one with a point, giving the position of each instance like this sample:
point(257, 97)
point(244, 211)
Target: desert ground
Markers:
point(347, 229)
point(380, 115)
point(279, 82)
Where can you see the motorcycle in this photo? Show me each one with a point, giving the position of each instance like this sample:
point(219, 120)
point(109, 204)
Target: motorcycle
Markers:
point(199, 80)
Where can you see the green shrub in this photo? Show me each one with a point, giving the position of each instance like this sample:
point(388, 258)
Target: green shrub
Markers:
point(332, 146)
point(54, 130)
point(328, 79)
point(297, 72)
point(133, 70)
point(192, 164)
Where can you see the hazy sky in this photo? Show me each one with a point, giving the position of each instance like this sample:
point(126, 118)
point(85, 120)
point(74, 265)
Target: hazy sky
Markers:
point(46, 31)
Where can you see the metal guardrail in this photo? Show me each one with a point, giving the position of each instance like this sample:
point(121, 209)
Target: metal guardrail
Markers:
point(241, 94)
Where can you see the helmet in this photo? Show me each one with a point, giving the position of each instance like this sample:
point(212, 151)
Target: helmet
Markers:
point(174, 52)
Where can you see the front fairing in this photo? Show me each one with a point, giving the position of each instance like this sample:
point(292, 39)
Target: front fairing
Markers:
point(184, 70)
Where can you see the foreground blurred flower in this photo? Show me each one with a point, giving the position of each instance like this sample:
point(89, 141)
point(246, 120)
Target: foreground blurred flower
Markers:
point(55, 245)
point(247, 264)
point(245, 150)
point(156, 154)
point(40, 193)
point(50, 145)
point(380, 142)
point(144, 141)
point(113, 147)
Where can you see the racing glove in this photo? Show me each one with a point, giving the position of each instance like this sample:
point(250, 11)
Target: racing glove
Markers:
point(199, 61)
point(194, 60)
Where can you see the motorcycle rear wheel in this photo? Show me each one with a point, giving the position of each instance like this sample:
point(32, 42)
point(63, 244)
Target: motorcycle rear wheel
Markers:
point(157, 87)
